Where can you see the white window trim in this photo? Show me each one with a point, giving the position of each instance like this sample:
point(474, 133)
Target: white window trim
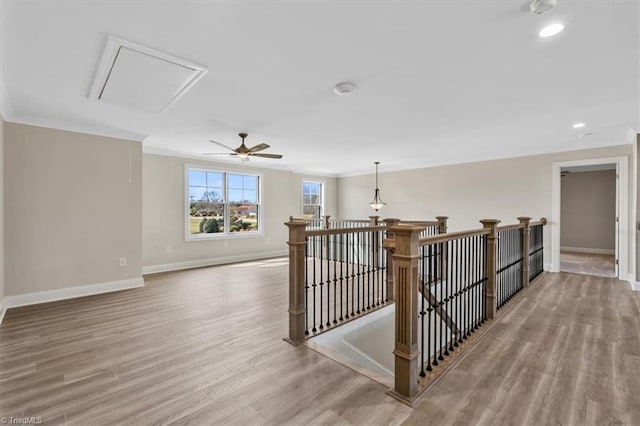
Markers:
point(188, 237)
point(322, 186)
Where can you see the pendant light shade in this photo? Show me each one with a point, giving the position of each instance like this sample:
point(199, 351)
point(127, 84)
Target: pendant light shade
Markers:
point(377, 202)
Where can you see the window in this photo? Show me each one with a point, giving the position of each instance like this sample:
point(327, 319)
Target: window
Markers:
point(312, 200)
point(221, 203)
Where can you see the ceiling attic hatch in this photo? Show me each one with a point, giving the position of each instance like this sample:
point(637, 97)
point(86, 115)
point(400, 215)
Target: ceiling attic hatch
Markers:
point(138, 77)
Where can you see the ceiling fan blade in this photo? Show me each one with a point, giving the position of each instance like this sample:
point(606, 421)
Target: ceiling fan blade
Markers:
point(223, 145)
point(259, 147)
point(277, 156)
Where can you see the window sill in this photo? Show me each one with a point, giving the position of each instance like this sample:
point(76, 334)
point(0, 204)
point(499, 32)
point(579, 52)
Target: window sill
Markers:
point(232, 236)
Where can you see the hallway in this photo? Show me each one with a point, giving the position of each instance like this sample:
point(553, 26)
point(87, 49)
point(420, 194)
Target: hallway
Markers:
point(205, 346)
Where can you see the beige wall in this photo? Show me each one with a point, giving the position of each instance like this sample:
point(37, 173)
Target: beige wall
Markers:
point(588, 210)
point(501, 189)
point(164, 215)
point(2, 285)
point(73, 208)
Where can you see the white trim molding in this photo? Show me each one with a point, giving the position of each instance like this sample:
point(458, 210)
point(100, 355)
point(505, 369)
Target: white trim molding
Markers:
point(71, 292)
point(189, 264)
point(635, 285)
point(588, 250)
point(626, 234)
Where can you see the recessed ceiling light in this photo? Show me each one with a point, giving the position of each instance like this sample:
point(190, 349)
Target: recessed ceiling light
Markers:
point(551, 30)
point(579, 125)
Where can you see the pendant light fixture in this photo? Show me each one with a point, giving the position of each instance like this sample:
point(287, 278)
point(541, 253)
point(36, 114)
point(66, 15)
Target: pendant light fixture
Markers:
point(377, 202)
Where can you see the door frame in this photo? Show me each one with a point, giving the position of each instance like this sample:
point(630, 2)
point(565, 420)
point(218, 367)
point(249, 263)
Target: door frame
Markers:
point(626, 270)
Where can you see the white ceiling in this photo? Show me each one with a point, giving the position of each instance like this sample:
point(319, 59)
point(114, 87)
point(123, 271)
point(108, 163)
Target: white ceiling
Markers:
point(437, 82)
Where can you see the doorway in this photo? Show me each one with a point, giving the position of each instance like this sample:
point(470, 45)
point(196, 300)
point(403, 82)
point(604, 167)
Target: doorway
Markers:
point(596, 254)
point(588, 213)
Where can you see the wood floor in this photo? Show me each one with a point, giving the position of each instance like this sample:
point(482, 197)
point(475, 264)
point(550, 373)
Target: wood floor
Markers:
point(588, 263)
point(205, 347)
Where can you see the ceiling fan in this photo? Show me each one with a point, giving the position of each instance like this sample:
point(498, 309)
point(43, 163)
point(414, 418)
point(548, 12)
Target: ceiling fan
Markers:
point(243, 152)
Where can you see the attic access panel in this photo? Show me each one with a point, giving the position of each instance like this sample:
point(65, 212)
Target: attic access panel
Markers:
point(138, 77)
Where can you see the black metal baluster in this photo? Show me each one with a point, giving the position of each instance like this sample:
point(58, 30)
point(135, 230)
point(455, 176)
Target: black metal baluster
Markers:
point(328, 260)
point(423, 270)
point(346, 249)
point(452, 298)
point(509, 256)
point(498, 274)
point(471, 294)
point(378, 264)
point(476, 282)
point(341, 251)
point(467, 291)
point(369, 253)
point(429, 304)
point(445, 287)
point(321, 249)
point(358, 274)
point(306, 285)
point(456, 266)
point(440, 298)
point(484, 276)
point(353, 272)
point(335, 279)
point(314, 329)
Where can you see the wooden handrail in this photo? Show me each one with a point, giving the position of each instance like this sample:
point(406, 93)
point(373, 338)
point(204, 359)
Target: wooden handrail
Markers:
point(337, 231)
point(542, 221)
point(420, 222)
point(507, 227)
point(441, 238)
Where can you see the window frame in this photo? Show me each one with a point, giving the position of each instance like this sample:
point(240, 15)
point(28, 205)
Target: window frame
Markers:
point(322, 184)
point(226, 171)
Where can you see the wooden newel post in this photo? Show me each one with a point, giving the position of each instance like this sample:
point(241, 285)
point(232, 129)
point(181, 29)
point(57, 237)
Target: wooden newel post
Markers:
point(327, 222)
point(389, 246)
point(491, 258)
point(526, 237)
point(296, 279)
point(373, 220)
point(442, 224)
point(405, 273)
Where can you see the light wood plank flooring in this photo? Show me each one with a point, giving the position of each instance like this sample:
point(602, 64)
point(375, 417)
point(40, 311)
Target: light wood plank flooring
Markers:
point(587, 263)
point(205, 347)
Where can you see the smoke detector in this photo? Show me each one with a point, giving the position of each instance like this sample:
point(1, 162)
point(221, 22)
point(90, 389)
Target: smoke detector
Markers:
point(343, 89)
point(540, 7)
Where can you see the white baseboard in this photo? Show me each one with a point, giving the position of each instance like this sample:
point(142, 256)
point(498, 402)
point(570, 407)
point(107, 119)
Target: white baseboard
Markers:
point(167, 267)
point(635, 285)
point(3, 309)
point(547, 267)
point(70, 292)
point(588, 250)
